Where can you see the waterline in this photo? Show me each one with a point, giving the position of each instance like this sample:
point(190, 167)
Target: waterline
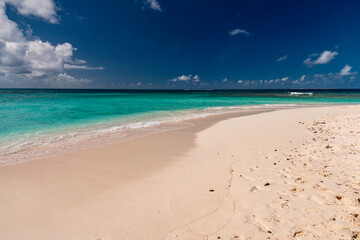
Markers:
point(40, 145)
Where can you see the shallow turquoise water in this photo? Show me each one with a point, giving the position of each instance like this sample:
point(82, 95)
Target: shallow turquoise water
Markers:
point(27, 114)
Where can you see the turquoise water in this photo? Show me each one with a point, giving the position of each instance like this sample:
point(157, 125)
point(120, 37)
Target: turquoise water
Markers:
point(36, 117)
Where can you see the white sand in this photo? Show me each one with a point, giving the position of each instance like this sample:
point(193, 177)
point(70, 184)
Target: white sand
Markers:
point(289, 174)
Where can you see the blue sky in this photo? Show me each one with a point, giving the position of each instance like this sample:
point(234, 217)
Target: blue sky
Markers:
point(180, 44)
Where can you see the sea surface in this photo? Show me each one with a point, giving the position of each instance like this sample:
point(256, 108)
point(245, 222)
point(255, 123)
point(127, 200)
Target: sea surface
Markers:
point(37, 123)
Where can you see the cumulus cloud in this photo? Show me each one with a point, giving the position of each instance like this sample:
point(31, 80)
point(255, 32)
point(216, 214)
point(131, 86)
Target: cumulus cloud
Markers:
point(346, 71)
point(238, 31)
point(186, 78)
point(182, 78)
point(263, 83)
point(301, 80)
point(44, 9)
point(196, 78)
point(324, 58)
point(153, 4)
point(343, 78)
point(63, 79)
point(281, 58)
point(27, 55)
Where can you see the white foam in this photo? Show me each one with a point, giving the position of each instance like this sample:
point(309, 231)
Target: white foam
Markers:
point(40, 145)
point(300, 93)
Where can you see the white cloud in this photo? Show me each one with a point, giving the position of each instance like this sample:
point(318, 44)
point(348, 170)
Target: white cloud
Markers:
point(28, 56)
point(83, 67)
point(324, 58)
point(346, 71)
point(182, 78)
point(154, 5)
point(44, 9)
point(186, 78)
point(281, 58)
point(238, 31)
point(342, 78)
point(60, 80)
point(300, 80)
point(262, 83)
point(63, 79)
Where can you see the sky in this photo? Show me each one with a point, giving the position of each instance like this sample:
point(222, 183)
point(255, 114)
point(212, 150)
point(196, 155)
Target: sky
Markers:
point(180, 44)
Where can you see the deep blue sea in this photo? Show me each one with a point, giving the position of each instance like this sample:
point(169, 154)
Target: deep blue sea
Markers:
point(32, 120)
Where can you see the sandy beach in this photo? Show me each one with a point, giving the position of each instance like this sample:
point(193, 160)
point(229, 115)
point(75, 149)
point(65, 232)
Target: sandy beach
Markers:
point(286, 174)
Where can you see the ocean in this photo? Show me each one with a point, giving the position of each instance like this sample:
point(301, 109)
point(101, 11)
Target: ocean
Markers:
point(42, 122)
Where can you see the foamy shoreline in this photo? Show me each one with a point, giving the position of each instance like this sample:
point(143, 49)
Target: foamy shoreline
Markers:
point(43, 145)
point(286, 174)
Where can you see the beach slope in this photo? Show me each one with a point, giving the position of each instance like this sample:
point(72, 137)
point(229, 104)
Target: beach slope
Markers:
point(286, 174)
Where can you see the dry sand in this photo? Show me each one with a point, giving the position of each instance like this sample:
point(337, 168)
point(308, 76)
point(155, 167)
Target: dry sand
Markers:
point(288, 174)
